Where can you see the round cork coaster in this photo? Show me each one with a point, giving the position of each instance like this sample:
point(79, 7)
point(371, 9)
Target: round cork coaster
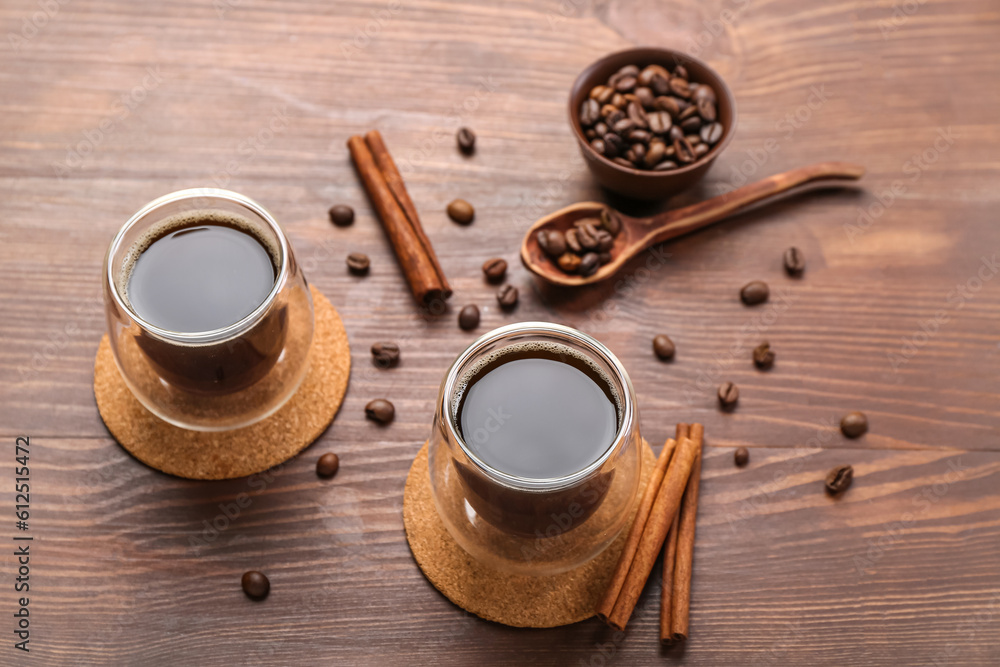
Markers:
point(512, 599)
point(243, 451)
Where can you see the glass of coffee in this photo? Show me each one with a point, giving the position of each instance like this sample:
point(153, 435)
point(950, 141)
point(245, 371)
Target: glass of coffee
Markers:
point(209, 316)
point(535, 452)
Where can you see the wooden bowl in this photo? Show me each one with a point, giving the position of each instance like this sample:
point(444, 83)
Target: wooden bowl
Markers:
point(639, 183)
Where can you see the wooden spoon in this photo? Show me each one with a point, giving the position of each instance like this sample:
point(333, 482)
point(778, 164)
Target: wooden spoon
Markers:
point(637, 234)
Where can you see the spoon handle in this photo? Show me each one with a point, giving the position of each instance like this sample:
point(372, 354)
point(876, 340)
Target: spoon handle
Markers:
point(678, 222)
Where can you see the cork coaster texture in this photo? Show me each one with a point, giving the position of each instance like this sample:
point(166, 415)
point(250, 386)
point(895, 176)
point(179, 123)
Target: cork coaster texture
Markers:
point(512, 599)
point(243, 451)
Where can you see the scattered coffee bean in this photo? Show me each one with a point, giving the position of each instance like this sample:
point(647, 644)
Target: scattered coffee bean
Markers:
point(589, 264)
point(795, 262)
point(461, 211)
point(466, 139)
point(637, 107)
point(663, 347)
point(380, 410)
point(495, 269)
point(468, 317)
point(838, 479)
point(729, 393)
point(741, 456)
point(255, 584)
point(341, 215)
point(328, 465)
point(507, 296)
point(854, 424)
point(385, 354)
point(358, 263)
point(755, 292)
point(763, 356)
point(569, 262)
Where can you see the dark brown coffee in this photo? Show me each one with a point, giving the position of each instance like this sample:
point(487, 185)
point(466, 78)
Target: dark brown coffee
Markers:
point(199, 273)
point(538, 411)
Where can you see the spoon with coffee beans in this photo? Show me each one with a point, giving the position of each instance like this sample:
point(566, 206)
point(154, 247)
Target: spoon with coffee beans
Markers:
point(589, 242)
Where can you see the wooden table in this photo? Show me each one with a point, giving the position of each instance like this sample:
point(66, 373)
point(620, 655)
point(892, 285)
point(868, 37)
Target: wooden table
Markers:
point(109, 104)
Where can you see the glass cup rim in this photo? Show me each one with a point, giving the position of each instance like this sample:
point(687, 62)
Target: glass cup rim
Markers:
point(590, 345)
point(214, 335)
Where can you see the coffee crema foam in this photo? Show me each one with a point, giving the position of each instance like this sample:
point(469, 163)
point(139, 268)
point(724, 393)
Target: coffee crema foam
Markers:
point(546, 348)
point(180, 221)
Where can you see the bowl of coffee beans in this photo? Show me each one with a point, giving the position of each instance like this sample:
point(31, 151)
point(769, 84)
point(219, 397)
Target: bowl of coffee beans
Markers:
point(650, 121)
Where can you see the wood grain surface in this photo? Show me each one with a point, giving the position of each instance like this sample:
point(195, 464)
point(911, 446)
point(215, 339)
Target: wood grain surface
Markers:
point(107, 104)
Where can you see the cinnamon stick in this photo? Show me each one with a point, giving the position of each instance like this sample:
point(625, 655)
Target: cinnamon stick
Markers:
point(667, 592)
point(668, 500)
point(420, 271)
point(395, 182)
point(607, 604)
point(683, 566)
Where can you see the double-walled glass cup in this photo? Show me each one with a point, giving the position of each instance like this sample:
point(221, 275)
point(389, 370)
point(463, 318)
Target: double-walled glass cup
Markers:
point(530, 525)
point(210, 380)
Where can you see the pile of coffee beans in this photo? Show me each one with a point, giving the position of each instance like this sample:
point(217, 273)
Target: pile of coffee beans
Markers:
point(651, 118)
point(583, 248)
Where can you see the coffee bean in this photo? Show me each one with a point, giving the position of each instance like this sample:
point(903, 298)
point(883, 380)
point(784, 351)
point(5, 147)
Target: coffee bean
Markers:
point(684, 150)
point(589, 264)
point(380, 410)
point(600, 129)
point(665, 165)
point(602, 94)
point(646, 75)
point(693, 139)
point(623, 127)
point(607, 110)
point(763, 356)
point(741, 456)
point(625, 84)
point(628, 70)
point(668, 104)
point(619, 101)
point(604, 258)
point(660, 85)
point(692, 124)
point(657, 150)
point(711, 133)
point(854, 424)
point(590, 112)
point(614, 117)
point(614, 145)
point(681, 71)
point(358, 263)
point(605, 241)
point(663, 347)
point(328, 465)
point(795, 261)
point(255, 584)
point(675, 133)
point(701, 149)
point(573, 241)
point(552, 242)
point(659, 121)
point(466, 138)
point(755, 292)
point(385, 354)
point(468, 317)
point(495, 269)
point(507, 297)
point(706, 109)
point(729, 393)
point(623, 162)
point(341, 215)
point(639, 136)
point(569, 262)
point(637, 115)
point(590, 134)
point(461, 211)
point(645, 97)
point(610, 221)
point(598, 146)
point(638, 154)
point(838, 479)
point(679, 87)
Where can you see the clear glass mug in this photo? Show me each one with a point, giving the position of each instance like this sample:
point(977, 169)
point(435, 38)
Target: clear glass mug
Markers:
point(525, 525)
point(211, 380)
